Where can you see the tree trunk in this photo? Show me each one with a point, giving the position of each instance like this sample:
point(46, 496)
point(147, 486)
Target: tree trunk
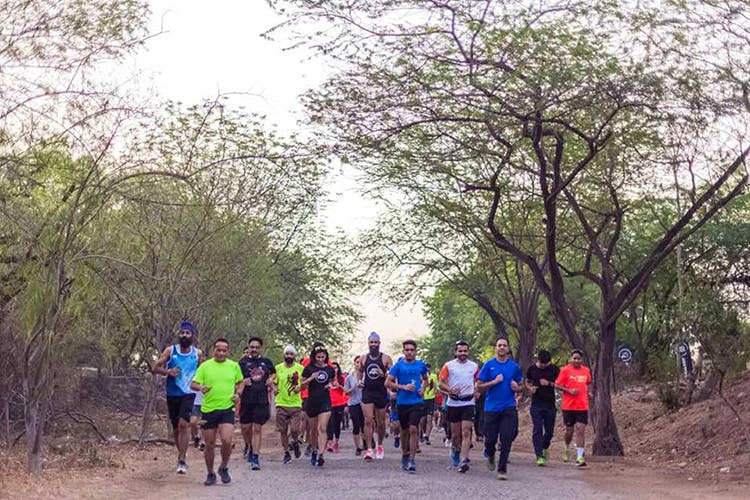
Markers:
point(606, 438)
point(35, 417)
point(148, 408)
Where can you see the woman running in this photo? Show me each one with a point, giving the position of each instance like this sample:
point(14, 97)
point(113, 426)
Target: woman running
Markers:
point(339, 400)
point(319, 378)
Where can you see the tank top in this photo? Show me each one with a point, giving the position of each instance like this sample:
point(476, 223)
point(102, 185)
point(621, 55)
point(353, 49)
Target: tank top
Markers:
point(373, 380)
point(188, 365)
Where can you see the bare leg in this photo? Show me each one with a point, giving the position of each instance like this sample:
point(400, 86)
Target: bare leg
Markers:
point(369, 412)
point(380, 423)
point(247, 435)
point(257, 435)
point(465, 435)
point(226, 432)
point(321, 431)
point(209, 437)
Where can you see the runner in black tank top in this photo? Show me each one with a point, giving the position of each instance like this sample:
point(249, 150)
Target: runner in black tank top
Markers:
point(371, 374)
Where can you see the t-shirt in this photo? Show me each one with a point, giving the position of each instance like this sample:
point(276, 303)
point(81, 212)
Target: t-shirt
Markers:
point(544, 396)
point(500, 396)
point(318, 387)
point(355, 397)
point(409, 373)
point(460, 377)
point(575, 378)
point(339, 397)
point(432, 384)
point(257, 370)
point(188, 364)
point(287, 378)
point(221, 378)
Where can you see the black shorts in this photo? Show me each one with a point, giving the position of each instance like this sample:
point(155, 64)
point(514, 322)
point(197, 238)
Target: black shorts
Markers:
point(572, 417)
point(180, 407)
point(375, 397)
point(253, 412)
point(214, 419)
point(315, 408)
point(460, 414)
point(429, 406)
point(409, 415)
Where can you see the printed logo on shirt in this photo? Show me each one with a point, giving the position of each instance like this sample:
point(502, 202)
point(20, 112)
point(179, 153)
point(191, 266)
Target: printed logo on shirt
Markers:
point(292, 381)
point(373, 373)
point(322, 377)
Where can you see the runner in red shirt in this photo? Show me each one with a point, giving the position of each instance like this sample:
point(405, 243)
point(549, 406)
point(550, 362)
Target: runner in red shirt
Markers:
point(574, 380)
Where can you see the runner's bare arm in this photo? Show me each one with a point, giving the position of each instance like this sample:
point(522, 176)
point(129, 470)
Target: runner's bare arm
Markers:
point(387, 362)
point(390, 383)
point(160, 367)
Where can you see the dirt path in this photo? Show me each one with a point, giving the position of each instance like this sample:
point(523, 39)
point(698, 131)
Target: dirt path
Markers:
point(345, 476)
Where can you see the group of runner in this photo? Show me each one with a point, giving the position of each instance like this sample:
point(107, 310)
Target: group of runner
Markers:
point(313, 394)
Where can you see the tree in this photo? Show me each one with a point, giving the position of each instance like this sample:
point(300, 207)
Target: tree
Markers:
point(580, 107)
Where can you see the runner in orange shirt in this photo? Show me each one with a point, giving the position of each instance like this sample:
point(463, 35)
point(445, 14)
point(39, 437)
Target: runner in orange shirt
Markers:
point(573, 380)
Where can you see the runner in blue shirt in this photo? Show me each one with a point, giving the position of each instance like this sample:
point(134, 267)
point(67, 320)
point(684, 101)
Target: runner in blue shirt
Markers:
point(501, 378)
point(409, 378)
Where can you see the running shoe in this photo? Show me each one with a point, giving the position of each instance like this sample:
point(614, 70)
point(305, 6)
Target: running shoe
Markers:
point(336, 448)
point(313, 458)
point(202, 446)
point(464, 467)
point(490, 461)
point(308, 450)
point(566, 455)
point(358, 452)
point(224, 475)
point(455, 457)
point(396, 442)
point(581, 462)
point(287, 458)
point(545, 454)
point(181, 467)
point(368, 454)
point(502, 476)
point(421, 437)
point(540, 461)
point(196, 442)
point(427, 442)
point(255, 465)
point(210, 479)
point(411, 467)
point(296, 449)
point(379, 452)
point(321, 461)
point(404, 462)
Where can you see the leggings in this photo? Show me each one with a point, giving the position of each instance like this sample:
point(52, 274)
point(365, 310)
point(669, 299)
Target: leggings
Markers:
point(334, 424)
point(358, 419)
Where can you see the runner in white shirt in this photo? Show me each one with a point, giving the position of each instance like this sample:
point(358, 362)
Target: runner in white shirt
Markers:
point(458, 379)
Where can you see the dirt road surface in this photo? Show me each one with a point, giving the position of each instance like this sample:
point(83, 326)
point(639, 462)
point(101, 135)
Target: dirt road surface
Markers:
point(345, 476)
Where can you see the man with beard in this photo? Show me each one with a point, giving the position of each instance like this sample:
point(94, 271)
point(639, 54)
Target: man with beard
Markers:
point(372, 371)
point(289, 403)
point(255, 407)
point(179, 362)
point(457, 379)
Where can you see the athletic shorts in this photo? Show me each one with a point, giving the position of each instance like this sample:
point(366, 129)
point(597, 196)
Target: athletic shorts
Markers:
point(196, 411)
point(315, 408)
point(375, 397)
point(429, 406)
point(180, 407)
point(285, 417)
point(409, 415)
point(214, 419)
point(254, 413)
point(460, 414)
point(572, 417)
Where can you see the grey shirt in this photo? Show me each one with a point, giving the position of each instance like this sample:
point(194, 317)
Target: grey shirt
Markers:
point(355, 397)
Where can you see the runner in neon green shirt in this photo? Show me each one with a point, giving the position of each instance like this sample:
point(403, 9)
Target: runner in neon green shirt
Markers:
point(425, 425)
point(220, 381)
point(289, 416)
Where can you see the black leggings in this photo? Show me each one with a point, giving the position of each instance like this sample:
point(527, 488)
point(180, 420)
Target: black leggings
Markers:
point(334, 423)
point(358, 419)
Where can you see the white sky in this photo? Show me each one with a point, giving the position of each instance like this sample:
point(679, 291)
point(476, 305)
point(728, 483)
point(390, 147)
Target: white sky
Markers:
point(215, 47)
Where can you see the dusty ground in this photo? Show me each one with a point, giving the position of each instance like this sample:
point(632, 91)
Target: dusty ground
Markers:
point(149, 473)
point(697, 452)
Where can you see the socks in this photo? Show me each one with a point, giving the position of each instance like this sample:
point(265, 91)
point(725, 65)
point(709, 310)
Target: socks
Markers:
point(579, 453)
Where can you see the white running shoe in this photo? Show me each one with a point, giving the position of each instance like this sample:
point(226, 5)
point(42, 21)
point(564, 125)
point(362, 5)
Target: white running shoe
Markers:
point(181, 467)
point(379, 452)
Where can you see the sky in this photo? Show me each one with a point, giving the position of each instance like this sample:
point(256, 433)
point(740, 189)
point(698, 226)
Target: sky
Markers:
point(211, 48)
